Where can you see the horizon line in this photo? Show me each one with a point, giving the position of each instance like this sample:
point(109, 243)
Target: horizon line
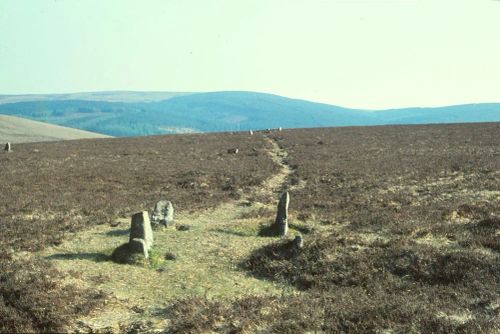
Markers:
point(240, 91)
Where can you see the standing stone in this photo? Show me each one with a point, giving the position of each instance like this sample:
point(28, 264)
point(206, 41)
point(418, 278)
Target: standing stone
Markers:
point(250, 132)
point(141, 228)
point(281, 222)
point(138, 246)
point(7, 147)
point(279, 129)
point(163, 214)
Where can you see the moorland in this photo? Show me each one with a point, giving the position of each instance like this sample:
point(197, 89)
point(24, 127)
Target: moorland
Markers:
point(401, 229)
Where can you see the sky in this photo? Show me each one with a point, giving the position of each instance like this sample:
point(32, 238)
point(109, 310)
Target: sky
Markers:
point(370, 54)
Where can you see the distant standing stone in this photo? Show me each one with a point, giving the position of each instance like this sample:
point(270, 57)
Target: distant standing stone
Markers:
point(232, 151)
point(281, 222)
point(141, 228)
point(163, 214)
point(138, 246)
point(250, 132)
point(7, 147)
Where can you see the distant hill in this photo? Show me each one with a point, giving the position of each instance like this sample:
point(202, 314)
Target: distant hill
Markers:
point(148, 113)
point(111, 96)
point(20, 130)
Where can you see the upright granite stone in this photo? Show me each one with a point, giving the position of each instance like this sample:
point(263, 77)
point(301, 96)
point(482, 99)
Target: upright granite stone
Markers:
point(281, 222)
point(141, 228)
point(7, 147)
point(163, 214)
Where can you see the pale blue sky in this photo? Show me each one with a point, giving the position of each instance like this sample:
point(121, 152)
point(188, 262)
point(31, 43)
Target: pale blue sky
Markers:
point(355, 53)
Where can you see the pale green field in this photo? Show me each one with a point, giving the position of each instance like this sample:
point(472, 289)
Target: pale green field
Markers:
point(20, 130)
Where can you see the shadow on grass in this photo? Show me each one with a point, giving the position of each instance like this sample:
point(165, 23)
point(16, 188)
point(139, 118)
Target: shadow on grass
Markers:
point(268, 231)
point(96, 257)
point(273, 230)
point(117, 233)
point(301, 228)
point(255, 265)
point(236, 232)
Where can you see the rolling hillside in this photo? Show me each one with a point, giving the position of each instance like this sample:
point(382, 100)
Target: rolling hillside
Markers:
point(137, 113)
point(20, 130)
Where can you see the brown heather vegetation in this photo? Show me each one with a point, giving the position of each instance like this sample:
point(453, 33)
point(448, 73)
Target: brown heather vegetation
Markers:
point(66, 185)
point(401, 225)
point(414, 238)
point(50, 189)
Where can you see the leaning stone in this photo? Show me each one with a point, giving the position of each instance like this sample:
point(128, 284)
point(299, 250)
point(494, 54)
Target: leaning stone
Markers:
point(138, 246)
point(232, 151)
point(141, 228)
point(281, 222)
point(250, 132)
point(7, 147)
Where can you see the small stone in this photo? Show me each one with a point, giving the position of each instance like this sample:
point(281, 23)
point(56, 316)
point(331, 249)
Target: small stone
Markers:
point(250, 132)
point(114, 223)
point(232, 151)
point(7, 147)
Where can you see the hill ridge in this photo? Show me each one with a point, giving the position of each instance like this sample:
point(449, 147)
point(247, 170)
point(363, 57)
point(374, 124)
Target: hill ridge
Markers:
point(229, 111)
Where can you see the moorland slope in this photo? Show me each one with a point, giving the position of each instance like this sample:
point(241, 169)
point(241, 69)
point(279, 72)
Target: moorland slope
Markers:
point(400, 227)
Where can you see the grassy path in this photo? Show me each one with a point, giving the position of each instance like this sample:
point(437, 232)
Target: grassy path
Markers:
point(204, 260)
